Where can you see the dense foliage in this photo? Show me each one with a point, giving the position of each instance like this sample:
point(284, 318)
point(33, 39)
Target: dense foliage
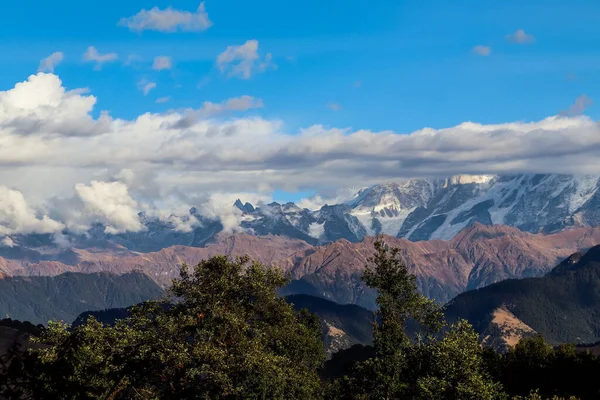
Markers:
point(226, 335)
point(223, 332)
point(354, 321)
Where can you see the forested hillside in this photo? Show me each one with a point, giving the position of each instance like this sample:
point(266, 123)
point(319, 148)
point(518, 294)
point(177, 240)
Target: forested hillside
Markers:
point(563, 306)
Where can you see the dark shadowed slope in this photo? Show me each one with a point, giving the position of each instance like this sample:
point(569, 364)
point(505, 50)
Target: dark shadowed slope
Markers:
point(38, 299)
point(563, 306)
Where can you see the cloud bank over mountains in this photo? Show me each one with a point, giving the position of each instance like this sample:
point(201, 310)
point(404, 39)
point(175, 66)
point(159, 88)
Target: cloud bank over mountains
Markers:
point(65, 164)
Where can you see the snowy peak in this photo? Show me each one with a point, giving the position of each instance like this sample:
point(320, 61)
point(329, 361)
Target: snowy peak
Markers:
point(392, 196)
point(383, 208)
point(462, 207)
point(530, 202)
point(468, 179)
point(423, 209)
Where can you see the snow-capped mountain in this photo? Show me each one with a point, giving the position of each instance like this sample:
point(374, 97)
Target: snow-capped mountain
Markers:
point(423, 209)
point(327, 224)
point(383, 208)
point(533, 203)
point(416, 209)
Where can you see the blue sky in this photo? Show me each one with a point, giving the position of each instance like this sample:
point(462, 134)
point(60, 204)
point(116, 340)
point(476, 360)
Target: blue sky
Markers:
point(375, 65)
point(412, 58)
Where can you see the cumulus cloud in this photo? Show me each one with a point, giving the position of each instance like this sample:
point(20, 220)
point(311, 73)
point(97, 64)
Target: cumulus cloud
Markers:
point(520, 37)
point(220, 205)
point(118, 167)
point(110, 204)
point(7, 242)
point(168, 20)
point(162, 62)
point(482, 50)
point(578, 108)
point(243, 61)
point(42, 106)
point(49, 63)
point(92, 55)
point(17, 217)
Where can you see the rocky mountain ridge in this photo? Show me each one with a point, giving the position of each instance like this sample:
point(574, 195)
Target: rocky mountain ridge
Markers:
point(478, 256)
point(414, 209)
point(424, 209)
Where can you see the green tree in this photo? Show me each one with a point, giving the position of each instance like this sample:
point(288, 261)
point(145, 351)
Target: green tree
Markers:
point(398, 300)
point(223, 333)
point(450, 368)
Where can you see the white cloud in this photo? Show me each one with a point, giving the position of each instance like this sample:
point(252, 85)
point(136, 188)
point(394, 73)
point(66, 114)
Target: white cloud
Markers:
point(146, 86)
point(52, 61)
point(162, 62)
point(220, 205)
point(162, 100)
point(92, 55)
point(49, 143)
point(242, 103)
point(578, 108)
point(7, 242)
point(209, 109)
point(17, 217)
point(267, 63)
point(317, 201)
point(111, 204)
point(243, 61)
point(42, 106)
point(520, 37)
point(168, 20)
point(482, 50)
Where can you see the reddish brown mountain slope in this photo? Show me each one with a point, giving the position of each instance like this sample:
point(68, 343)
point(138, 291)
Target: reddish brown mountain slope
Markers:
point(476, 257)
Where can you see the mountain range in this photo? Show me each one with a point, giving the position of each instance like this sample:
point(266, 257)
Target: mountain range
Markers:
point(562, 305)
point(456, 234)
point(478, 256)
point(415, 209)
